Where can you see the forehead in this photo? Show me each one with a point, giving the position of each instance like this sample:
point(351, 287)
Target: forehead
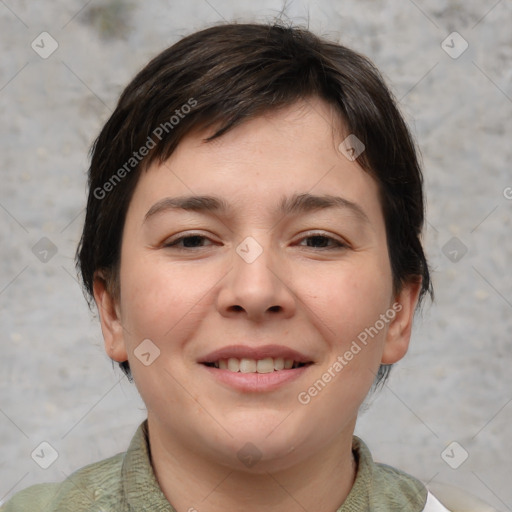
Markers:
point(263, 161)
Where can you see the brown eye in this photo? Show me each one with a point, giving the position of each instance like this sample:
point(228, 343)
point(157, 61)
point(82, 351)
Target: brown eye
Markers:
point(187, 242)
point(320, 241)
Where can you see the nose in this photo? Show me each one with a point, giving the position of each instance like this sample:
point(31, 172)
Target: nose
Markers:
point(257, 289)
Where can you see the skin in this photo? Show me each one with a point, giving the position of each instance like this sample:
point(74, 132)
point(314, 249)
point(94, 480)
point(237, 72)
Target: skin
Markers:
point(308, 294)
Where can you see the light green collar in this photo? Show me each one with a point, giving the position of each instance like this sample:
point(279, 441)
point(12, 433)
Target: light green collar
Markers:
point(377, 487)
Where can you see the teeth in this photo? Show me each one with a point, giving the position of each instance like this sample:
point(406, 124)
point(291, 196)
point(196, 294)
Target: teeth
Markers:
point(278, 363)
point(247, 365)
point(266, 365)
point(233, 364)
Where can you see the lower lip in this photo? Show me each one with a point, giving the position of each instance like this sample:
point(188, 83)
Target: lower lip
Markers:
point(255, 382)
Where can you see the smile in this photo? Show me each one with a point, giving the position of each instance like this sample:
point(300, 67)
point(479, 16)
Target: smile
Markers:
point(246, 365)
point(255, 369)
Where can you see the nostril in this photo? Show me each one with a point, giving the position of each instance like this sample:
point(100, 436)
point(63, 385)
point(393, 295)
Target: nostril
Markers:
point(274, 308)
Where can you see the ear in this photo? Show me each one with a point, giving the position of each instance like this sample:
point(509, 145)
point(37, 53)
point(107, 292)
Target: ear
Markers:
point(400, 327)
point(110, 319)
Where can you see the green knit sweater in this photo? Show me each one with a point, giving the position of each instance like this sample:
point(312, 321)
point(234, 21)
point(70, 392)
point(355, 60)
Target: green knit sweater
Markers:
point(126, 483)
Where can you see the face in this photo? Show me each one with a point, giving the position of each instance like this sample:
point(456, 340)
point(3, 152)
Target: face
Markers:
point(256, 299)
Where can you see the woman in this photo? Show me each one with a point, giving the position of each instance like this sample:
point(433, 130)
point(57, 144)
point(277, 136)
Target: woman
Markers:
point(252, 243)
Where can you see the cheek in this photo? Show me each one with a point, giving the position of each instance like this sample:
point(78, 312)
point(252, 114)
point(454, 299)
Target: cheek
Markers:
point(146, 299)
point(162, 301)
point(349, 317)
point(346, 300)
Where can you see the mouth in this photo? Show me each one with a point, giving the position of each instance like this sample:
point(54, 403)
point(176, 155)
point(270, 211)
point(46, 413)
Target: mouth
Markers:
point(249, 369)
point(249, 365)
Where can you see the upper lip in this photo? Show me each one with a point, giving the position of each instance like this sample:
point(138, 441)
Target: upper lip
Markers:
point(245, 352)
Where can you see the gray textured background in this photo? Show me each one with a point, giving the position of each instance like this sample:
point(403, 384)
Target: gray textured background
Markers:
point(57, 385)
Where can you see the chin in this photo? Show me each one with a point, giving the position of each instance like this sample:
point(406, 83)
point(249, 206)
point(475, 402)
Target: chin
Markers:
point(262, 446)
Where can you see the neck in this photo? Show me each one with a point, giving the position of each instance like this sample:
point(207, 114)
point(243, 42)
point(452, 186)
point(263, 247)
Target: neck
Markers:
point(192, 482)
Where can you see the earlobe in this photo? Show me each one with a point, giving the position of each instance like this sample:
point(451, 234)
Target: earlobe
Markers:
point(399, 331)
point(110, 320)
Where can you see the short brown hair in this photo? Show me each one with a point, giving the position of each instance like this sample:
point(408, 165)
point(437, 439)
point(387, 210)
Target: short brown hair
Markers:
point(225, 75)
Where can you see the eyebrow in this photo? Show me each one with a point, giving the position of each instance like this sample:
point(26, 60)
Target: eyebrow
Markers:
point(296, 204)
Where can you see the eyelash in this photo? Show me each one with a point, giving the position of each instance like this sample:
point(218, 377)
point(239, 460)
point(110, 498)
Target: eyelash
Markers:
point(338, 244)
